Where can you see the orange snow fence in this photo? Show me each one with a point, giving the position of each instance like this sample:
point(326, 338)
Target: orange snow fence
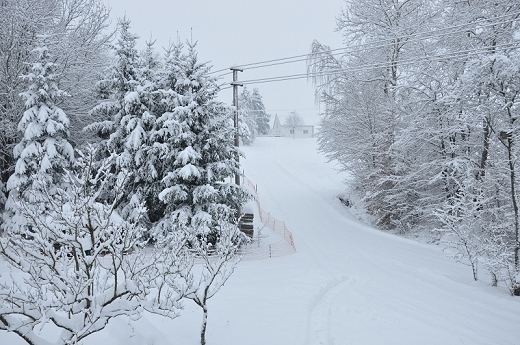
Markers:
point(273, 250)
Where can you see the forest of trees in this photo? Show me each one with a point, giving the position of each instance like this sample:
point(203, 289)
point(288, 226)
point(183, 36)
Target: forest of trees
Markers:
point(421, 108)
point(116, 167)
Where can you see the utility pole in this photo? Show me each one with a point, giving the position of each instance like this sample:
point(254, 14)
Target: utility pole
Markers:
point(235, 85)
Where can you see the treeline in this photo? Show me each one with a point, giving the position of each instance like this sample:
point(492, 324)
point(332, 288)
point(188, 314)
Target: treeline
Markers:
point(421, 108)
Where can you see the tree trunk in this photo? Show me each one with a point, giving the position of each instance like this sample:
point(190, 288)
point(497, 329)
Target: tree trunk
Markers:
point(204, 324)
point(513, 196)
point(485, 151)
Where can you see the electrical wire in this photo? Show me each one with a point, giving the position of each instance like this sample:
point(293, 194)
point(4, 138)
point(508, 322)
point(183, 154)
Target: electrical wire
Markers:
point(357, 50)
point(345, 50)
point(435, 58)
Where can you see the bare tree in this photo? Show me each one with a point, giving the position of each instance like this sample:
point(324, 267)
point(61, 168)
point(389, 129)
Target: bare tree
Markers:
point(293, 121)
point(217, 262)
point(430, 145)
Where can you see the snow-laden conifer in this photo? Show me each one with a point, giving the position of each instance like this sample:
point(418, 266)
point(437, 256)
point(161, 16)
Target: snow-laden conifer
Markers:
point(149, 62)
point(198, 153)
point(129, 103)
point(260, 115)
point(247, 130)
point(123, 77)
point(44, 151)
point(253, 113)
point(194, 139)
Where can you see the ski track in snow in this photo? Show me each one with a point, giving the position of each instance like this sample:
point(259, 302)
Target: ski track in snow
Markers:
point(320, 312)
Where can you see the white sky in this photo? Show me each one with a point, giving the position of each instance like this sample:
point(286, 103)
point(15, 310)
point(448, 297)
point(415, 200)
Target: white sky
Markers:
point(235, 32)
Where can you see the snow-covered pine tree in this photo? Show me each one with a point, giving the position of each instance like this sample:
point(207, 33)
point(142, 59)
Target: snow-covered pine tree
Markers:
point(170, 72)
point(260, 115)
point(149, 62)
point(196, 136)
point(122, 78)
point(246, 119)
point(44, 151)
point(129, 103)
point(78, 40)
point(252, 111)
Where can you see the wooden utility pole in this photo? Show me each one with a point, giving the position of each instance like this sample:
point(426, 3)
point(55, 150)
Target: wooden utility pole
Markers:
point(235, 85)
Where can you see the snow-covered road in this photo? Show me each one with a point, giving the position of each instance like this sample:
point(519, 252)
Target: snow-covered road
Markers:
point(346, 284)
point(350, 284)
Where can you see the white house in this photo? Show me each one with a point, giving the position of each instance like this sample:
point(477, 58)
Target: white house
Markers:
point(303, 131)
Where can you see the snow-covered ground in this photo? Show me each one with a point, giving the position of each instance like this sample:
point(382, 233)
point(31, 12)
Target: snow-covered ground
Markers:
point(346, 284)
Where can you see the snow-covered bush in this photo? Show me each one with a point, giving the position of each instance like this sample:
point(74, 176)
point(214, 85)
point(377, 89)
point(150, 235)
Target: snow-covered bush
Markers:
point(78, 264)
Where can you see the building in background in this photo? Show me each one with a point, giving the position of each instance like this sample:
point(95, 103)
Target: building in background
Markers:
point(301, 131)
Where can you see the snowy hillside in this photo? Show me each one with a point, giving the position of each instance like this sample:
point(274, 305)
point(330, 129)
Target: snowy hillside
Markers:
point(346, 284)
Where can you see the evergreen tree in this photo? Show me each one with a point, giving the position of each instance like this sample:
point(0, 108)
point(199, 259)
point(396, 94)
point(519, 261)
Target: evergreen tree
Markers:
point(170, 73)
point(123, 77)
point(195, 140)
point(149, 62)
point(198, 152)
point(78, 39)
point(252, 109)
point(246, 119)
point(260, 115)
point(159, 140)
point(129, 93)
point(44, 151)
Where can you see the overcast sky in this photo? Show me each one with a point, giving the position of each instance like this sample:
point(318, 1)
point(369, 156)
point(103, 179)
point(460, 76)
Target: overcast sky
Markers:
point(236, 32)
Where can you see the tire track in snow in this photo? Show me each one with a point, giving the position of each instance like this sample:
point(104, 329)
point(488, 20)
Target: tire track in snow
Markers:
point(319, 317)
point(319, 312)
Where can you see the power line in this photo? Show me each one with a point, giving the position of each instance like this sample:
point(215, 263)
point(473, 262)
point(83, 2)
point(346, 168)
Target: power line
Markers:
point(223, 74)
point(435, 58)
point(429, 34)
point(359, 49)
